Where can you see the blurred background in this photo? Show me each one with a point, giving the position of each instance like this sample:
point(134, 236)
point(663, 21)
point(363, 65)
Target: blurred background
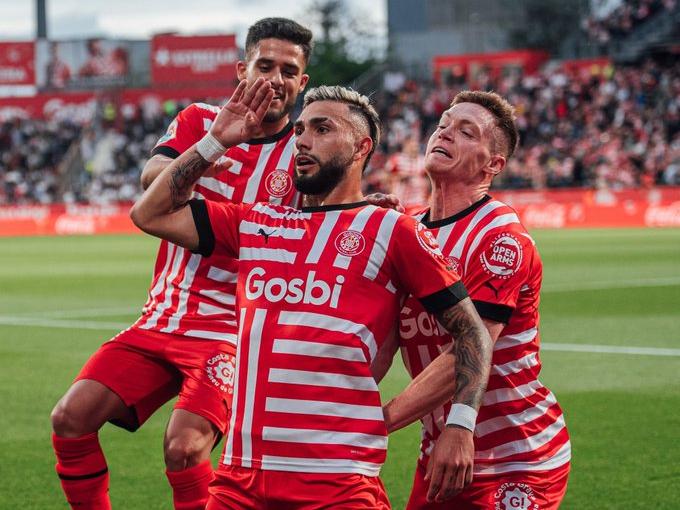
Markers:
point(87, 89)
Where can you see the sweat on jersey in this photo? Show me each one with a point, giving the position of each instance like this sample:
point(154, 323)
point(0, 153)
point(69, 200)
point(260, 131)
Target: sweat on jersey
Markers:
point(190, 295)
point(520, 426)
point(318, 291)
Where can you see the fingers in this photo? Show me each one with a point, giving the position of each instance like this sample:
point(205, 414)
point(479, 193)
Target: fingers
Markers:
point(252, 91)
point(238, 93)
point(262, 108)
point(435, 481)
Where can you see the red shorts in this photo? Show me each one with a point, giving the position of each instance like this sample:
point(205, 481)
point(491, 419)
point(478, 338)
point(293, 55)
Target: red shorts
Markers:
point(237, 488)
point(146, 369)
point(535, 490)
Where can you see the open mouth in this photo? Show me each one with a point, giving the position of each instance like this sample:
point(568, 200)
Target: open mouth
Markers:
point(304, 162)
point(441, 151)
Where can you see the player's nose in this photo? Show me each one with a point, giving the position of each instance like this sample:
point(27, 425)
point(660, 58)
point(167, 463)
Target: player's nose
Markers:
point(276, 78)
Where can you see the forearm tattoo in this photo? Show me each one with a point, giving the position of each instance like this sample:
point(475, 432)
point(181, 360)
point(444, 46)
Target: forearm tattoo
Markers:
point(183, 178)
point(473, 348)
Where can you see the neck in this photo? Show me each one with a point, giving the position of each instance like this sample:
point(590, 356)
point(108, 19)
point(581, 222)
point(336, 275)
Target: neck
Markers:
point(449, 198)
point(348, 191)
point(267, 129)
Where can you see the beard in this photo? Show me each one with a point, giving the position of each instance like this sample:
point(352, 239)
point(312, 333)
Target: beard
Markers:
point(277, 115)
point(326, 179)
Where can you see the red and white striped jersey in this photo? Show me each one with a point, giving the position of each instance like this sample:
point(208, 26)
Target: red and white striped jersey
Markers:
point(520, 426)
point(318, 291)
point(192, 295)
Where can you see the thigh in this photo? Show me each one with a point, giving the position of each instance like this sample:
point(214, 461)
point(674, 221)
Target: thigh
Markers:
point(324, 491)
point(418, 498)
point(540, 490)
point(208, 370)
point(236, 488)
point(129, 367)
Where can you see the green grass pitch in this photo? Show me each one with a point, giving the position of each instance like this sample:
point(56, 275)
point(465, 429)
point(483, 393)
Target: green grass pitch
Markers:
point(61, 297)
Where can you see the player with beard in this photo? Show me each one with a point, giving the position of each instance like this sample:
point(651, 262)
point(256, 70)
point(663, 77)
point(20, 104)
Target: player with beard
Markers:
point(184, 342)
point(319, 289)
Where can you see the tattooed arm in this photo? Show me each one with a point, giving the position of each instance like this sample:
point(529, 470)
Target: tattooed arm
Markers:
point(161, 211)
point(459, 373)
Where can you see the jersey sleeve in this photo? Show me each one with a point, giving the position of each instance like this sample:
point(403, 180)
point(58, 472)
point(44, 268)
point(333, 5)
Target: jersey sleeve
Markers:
point(422, 269)
point(217, 224)
point(496, 272)
point(184, 131)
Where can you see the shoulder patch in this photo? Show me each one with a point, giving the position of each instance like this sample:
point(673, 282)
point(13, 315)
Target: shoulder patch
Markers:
point(427, 240)
point(502, 257)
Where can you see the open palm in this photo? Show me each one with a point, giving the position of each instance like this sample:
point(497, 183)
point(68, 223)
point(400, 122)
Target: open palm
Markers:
point(241, 117)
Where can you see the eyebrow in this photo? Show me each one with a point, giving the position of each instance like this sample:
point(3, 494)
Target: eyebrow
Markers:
point(269, 61)
point(314, 121)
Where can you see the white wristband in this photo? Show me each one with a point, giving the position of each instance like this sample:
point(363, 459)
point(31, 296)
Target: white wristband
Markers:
point(210, 149)
point(463, 416)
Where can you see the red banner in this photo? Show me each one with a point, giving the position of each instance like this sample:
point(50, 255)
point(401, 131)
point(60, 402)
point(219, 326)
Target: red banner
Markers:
point(655, 207)
point(81, 107)
point(69, 219)
point(17, 63)
point(193, 60)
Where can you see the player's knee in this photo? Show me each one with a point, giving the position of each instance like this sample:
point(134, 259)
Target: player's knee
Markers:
point(66, 422)
point(184, 451)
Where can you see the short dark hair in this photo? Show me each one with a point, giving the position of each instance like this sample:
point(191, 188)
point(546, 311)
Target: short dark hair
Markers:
point(280, 28)
point(359, 106)
point(505, 133)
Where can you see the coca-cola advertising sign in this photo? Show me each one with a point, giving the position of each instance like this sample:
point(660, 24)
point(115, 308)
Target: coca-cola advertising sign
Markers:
point(17, 63)
point(181, 60)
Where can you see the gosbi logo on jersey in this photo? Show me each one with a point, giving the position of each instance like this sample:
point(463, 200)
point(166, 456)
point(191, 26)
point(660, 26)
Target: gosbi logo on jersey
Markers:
point(424, 323)
point(515, 496)
point(220, 369)
point(350, 243)
point(278, 183)
point(427, 240)
point(503, 256)
point(309, 291)
point(453, 263)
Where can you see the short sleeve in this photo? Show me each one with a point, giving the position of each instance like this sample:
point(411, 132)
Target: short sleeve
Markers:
point(422, 269)
point(217, 224)
point(184, 131)
point(497, 271)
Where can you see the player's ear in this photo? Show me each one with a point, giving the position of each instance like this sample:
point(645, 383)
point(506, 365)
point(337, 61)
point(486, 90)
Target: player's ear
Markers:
point(496, 165)
point(363, 148)
point(241, 68)
point(303, 82)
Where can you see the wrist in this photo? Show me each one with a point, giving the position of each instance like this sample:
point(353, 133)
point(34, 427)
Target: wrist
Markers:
point(462, 416)
point(210, 148)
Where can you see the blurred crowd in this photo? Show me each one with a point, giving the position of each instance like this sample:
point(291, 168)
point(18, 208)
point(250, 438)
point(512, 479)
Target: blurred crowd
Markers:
point(600, 128)
point(618, 23)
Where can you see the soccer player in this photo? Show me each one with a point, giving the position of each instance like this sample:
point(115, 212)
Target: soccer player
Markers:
point(521, 444)
point(184, 342)
point(319, 289)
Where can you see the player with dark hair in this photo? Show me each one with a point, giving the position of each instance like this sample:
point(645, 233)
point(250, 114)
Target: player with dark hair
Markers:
point(519, 437)
point(319, 289)
point(184, 342)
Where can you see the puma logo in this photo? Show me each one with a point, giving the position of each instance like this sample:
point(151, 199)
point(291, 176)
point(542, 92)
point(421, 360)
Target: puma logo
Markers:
point(265, 235)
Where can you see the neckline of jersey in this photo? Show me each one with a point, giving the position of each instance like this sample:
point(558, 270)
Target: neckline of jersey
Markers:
point(462, 214)
point(273, 138)
point(334, 207)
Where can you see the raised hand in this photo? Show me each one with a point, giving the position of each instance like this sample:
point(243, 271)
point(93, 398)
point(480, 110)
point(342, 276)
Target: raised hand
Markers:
point(239, 119)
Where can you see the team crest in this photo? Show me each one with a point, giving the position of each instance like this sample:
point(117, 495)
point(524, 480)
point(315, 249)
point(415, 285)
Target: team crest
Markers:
point(427, 240)
point(515, 496)
point(453, 264)
point(279, 183)
point(221, 369)
point(503, 256)
point(350, 243)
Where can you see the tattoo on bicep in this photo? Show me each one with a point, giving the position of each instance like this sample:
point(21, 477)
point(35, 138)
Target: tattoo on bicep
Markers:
point(183, 178)
point(472, 348)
